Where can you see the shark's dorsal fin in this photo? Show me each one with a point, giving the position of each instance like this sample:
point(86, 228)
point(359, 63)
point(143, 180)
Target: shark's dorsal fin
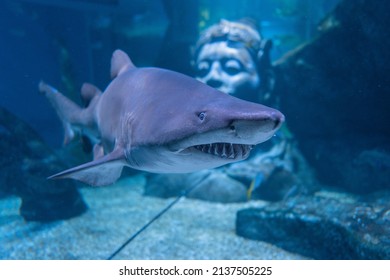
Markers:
point(120, 62)
point(101, 172)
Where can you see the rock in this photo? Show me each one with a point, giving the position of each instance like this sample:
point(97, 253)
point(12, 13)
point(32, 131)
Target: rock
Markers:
point(369, 171)
point(171, 185)
point(280, 184)
point(219, 187)
point(327, 225)
point(26, 162)
point(334, 93)
point(209, 185)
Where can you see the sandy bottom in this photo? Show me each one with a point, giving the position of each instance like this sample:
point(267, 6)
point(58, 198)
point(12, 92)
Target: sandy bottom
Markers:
point(192, 229)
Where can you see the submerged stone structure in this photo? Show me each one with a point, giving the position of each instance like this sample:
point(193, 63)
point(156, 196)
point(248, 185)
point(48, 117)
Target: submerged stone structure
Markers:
point(334, 93)
point(328, 225)
point(25, 163)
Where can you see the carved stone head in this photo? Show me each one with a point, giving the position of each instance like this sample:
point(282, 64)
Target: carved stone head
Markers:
point(227, 58)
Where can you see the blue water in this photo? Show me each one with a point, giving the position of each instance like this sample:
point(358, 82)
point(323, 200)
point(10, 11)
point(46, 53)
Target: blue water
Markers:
point(67, 43)
point(39, 41)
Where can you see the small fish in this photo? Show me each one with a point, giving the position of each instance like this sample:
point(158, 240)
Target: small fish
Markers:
point(255, 184)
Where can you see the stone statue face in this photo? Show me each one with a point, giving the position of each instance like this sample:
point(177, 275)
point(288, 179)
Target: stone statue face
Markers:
point(229, 69)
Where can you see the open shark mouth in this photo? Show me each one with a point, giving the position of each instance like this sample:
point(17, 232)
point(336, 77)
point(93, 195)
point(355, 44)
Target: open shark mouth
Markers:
point(225, 150)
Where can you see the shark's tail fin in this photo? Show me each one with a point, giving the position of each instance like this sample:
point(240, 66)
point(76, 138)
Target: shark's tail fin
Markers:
point(71, 115)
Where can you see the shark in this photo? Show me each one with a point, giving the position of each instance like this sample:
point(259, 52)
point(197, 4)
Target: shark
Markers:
point(159, 121)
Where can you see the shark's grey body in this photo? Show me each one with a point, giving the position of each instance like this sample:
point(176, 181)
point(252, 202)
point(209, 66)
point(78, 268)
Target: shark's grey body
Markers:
point(160, 121)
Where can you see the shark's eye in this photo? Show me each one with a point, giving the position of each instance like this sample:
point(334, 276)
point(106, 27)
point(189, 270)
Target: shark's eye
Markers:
point(202, 116)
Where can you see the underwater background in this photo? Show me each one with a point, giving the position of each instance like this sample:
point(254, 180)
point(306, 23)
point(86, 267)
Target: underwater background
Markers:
point(322, 191)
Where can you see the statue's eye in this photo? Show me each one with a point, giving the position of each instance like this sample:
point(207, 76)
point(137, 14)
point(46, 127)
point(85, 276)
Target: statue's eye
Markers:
point(232, 67)
point(202, 116)
point(203, 69)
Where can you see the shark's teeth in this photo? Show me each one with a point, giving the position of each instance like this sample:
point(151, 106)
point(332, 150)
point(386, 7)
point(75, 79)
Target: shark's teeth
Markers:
point(225, 150)
point(230, 151)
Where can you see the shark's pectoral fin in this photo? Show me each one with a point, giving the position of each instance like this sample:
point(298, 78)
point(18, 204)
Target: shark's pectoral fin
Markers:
point(101, 172)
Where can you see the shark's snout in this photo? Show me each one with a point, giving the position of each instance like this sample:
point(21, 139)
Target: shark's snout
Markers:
point(256, 116)
point(277, 118)
point(278, 115)
point(265, 121)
